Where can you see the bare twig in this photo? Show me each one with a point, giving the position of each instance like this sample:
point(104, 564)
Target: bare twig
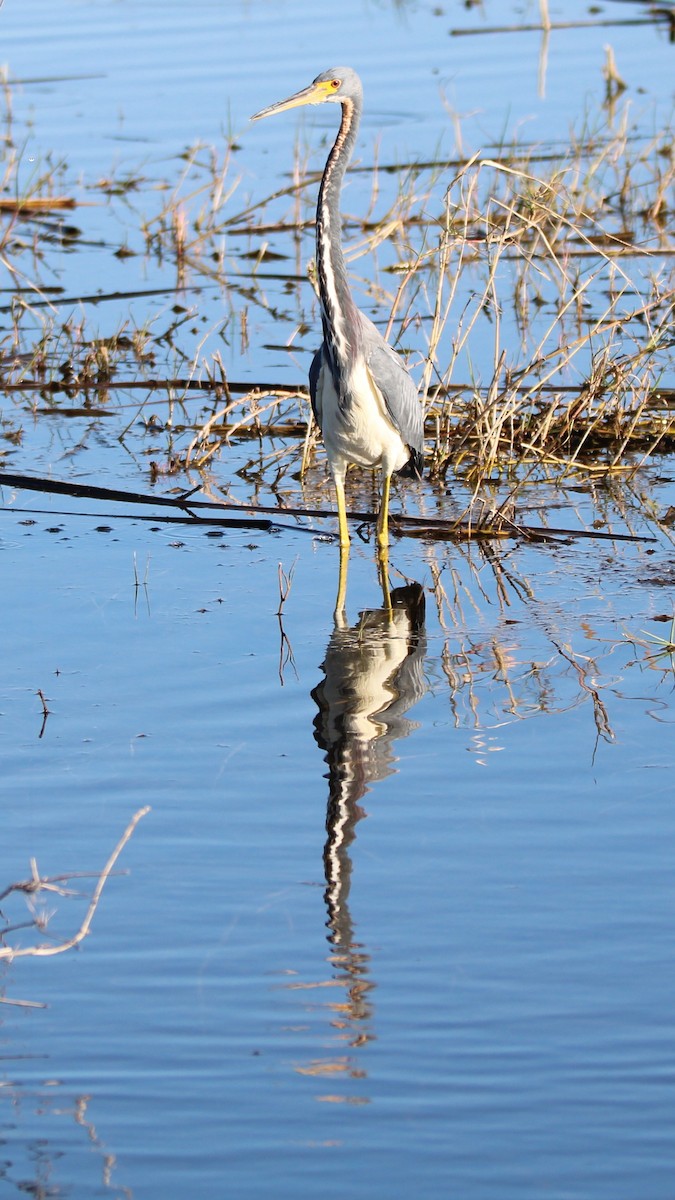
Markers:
point(285, 585)
point(44, 951)
point(45, 711)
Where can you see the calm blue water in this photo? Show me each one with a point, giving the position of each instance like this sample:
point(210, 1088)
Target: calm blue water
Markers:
point(400, 919)
point(472, 992)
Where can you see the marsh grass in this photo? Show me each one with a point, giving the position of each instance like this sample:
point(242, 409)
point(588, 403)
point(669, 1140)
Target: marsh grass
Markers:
point(531, 289)
point(544, 290)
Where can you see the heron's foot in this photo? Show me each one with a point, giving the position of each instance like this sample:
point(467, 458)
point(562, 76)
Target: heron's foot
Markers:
point(382, 534)
point(383, 517)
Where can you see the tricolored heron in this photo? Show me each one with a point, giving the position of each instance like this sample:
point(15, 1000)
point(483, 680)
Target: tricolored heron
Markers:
point(363, 398)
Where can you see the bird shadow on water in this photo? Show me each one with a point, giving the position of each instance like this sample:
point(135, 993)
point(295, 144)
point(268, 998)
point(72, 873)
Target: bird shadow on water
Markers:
point(373, 674)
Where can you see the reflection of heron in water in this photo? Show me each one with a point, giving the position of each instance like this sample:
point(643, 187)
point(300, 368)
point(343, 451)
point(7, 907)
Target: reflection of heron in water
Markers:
point(373, 673)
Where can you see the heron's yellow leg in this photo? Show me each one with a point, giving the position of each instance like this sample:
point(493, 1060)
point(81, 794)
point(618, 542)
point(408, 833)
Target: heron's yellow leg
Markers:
point(383, 518)
point(342, 584)
point(342, 511)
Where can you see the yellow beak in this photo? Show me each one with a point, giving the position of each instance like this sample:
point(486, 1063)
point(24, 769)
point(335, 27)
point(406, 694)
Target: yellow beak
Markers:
point(316, 93)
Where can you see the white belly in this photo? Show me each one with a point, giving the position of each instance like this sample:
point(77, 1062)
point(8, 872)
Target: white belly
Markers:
point(363, 435)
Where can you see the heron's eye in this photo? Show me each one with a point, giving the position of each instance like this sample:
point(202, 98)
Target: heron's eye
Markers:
point(335, 83)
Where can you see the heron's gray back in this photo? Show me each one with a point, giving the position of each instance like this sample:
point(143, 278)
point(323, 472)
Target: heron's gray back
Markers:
point(398, 390)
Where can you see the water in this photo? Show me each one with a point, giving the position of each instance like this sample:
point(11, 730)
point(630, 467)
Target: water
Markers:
point(501, 971)
point(400, 918)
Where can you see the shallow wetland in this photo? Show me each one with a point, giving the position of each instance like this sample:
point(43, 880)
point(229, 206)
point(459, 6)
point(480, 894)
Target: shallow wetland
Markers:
point(398, 919)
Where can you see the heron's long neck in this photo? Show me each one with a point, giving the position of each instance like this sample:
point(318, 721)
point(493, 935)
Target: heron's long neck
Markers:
point(339, 314)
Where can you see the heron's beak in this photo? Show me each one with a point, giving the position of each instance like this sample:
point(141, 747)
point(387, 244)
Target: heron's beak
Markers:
point(314, 94)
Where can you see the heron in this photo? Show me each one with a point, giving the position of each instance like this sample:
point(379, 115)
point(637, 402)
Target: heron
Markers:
point(363, 398)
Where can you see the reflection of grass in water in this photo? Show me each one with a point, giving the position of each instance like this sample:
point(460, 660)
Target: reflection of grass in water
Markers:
point(39, 1149)
point(554, 269)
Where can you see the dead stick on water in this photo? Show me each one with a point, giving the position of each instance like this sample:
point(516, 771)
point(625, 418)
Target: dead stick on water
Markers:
point(46, 712)
point(8, 952)
point(401, 522)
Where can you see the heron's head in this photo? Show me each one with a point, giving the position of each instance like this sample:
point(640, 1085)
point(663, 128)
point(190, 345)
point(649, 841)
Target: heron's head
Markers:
point(337, 85)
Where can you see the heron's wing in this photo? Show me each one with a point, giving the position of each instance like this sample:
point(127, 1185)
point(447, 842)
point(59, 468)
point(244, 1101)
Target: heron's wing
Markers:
point(398, 390)
point(314, 388)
